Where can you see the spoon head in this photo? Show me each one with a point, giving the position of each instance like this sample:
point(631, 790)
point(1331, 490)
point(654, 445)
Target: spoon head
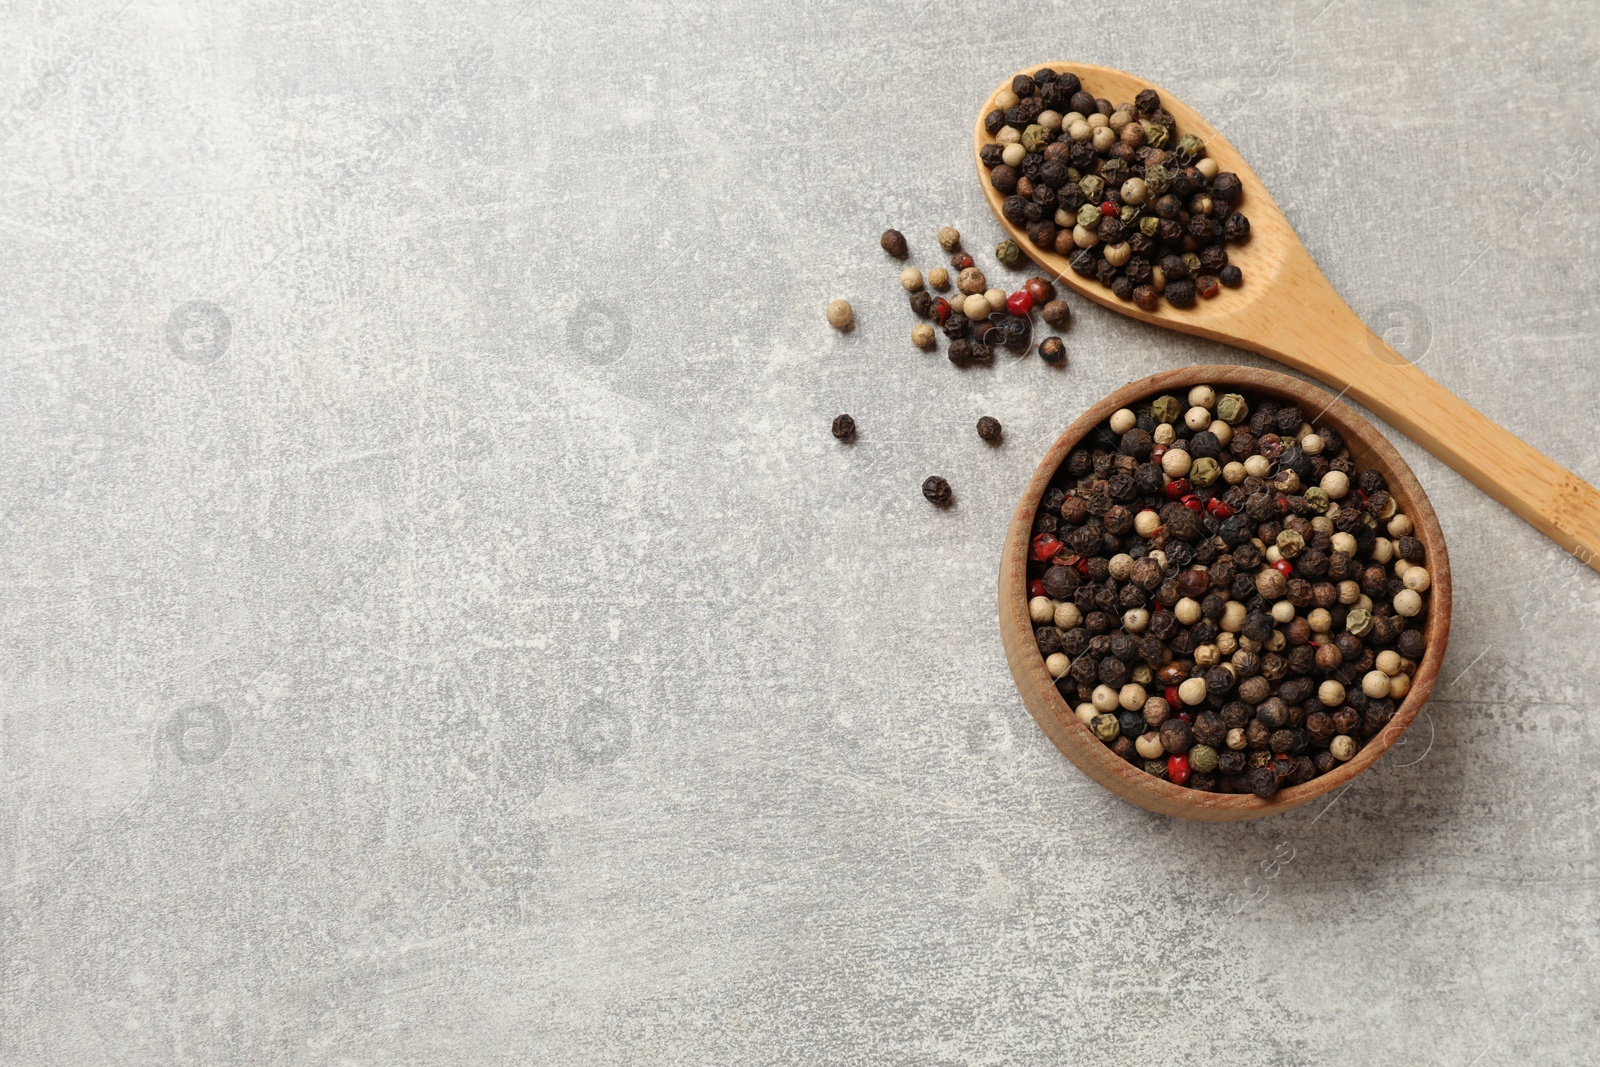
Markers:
point(1263, 257)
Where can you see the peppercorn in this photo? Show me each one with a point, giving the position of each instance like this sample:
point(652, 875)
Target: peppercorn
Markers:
point(1053, 350)
point(922, 303)
point(840, 315)
point(894, 243)
point(1009, 254)
point(989, 429)
point(949, 238)
point(937, 490)
point(1057, 313)
point(922, 336)
point(844, 428)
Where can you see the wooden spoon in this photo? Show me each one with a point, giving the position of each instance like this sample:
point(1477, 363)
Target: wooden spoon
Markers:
point(1286, 310)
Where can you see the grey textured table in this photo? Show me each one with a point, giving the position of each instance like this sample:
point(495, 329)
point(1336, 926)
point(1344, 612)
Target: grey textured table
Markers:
point(439, 628)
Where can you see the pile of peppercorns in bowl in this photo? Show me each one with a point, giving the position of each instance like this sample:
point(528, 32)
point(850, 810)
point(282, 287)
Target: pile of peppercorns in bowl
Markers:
point(1117, 189)
point(1224, 588)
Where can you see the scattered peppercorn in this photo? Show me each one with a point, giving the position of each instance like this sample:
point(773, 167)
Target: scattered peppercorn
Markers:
point(1053, 350)
point(937, 490)
point(1201, 548)
point(894, 243)
point(1008, 253)
point(939, 278)
point(922, 336)
point(949, 238)
point(1116, 188)
point(844, 428)
point(840, 315)
point(989, 429)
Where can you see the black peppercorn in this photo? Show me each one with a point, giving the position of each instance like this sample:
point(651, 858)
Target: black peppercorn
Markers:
point(937, 490)
point(956, 325)
point(1053, 350)
point(894, 243)
point(844, 428)
point(993, 122)
point(922, 303)
point(989, 429)
point(1023, 85)
point(960, 352)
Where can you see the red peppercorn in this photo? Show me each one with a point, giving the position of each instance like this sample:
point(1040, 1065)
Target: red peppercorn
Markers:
point(1083, 567)
point(961, 261)
point(1178, 769)
point(1187, 716)
point(1217, 508)
point(1283, 567)
point(1172, 696)
point(941, 310)
point(1045, 547)
point(1283, 505)
point(1157, 452)
point(1108, 208)
point(1178, 488)
point(1019, 303)
point(1035, 588)
point(1192, 502)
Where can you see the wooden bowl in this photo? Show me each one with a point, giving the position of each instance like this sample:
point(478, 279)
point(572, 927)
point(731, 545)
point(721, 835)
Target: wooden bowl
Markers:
point(1052, 712)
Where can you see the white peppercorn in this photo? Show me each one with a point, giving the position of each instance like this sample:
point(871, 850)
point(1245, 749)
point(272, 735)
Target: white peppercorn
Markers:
point(1336, 484)
point(1146, 523)
point(1041, 610)
point(996, 299)
point(950, 237)
point(1187, 611)
point(1132, 696)
point(1330, 693)
point(1149, 745)
point(840, 314)
point(1085, 713)
point(1416, 579)
point(1068, 616)
point(1013, 154)
point(911, 279)
point(1104, 698)
point(1407, 602)
point(1192, 691)
point(1342, 747)
point(1122, 420)
point(1175, 463)
point(1400, 526)
point(1136, 620)
point(939, 278)
point(922, 336)
point(975, 307)
point(1057, 664)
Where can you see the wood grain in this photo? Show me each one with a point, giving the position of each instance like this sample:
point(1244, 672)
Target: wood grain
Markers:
point(1286, 310)
point(1056, 718)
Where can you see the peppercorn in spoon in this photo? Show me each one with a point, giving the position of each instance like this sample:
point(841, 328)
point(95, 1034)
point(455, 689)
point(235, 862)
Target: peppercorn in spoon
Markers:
point(1284, 309)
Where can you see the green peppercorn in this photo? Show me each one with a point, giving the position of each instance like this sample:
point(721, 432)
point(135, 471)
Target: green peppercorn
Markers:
point(1035, 137)
point(1203, 758)
point(1106, 727)
point(1156, 768)
point(1290, 544)
point(1317, 500)
point(1166, 409)
point(1093, 186)
point(1128, 214)
point(1358, 622)
point(1155, 136)
point(1188, 147)
point(1149, 225)
point(1204, 471)
point(1008, 253)
point(1192, 262)
point(1089, 215)
point(1232, 409)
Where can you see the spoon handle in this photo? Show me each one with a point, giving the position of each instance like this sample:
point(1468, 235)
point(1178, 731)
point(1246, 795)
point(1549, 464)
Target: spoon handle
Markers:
point(1342, 351)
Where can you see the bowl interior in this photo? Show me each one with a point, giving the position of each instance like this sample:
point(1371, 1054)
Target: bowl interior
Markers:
point(1367, 446)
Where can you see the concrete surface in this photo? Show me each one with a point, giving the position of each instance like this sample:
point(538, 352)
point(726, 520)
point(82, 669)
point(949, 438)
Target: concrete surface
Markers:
point(439, 629)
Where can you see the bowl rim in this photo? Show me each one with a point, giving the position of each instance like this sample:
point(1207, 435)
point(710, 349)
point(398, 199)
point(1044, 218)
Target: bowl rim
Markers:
point(1056, 717)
